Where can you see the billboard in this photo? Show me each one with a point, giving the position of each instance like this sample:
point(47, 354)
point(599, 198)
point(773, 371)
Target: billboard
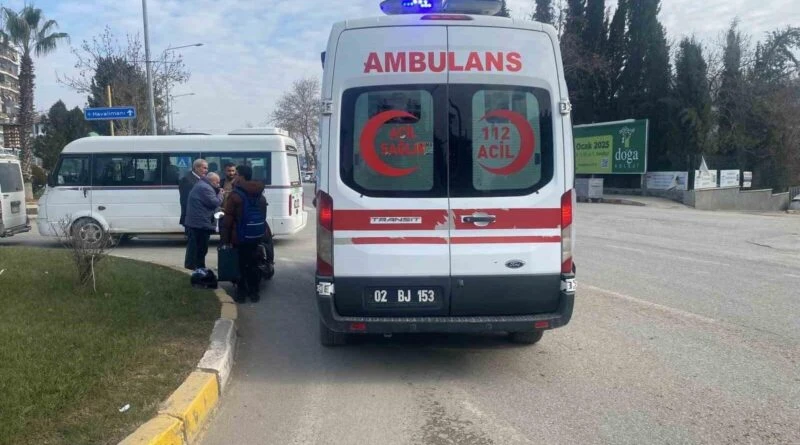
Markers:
point(667, 180)
point(705, 179)
point(729, 178)
point(611, 148)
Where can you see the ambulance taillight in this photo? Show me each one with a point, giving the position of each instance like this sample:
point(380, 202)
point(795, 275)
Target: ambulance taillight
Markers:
point(566, 232)
point(324, 235)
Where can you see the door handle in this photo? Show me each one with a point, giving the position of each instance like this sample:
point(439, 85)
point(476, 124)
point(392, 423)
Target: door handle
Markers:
point(479, 219)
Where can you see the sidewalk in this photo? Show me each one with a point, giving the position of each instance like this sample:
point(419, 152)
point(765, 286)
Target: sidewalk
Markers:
point(641, 201)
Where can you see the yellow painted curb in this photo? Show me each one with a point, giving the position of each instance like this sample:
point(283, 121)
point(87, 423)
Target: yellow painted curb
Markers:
point(223, 296)
point(161, 430)
point(193, 402)
point(229, 311)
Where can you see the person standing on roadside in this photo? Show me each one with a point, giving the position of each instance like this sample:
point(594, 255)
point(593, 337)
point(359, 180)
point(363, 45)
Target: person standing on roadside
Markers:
point(227, 181)
point(204, 199)
point(199, 170)
point(244, 227)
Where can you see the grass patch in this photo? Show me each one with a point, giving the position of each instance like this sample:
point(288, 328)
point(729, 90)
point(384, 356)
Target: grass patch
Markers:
point(70, 358)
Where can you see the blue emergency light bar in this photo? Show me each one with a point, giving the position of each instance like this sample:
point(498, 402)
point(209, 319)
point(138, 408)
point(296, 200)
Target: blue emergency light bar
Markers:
point(475, 7)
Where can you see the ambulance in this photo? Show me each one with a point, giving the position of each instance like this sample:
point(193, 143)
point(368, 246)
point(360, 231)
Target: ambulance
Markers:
point(445, 185)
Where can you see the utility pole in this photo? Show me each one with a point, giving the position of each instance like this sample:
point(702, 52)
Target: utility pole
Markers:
point(148, 62)
point(110, 123)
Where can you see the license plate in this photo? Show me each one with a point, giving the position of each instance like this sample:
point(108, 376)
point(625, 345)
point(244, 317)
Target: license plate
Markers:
point(15, 207)
point(403, 296)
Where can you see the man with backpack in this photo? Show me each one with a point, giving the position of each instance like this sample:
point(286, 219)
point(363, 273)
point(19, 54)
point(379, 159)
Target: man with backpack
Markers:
point(244, 227)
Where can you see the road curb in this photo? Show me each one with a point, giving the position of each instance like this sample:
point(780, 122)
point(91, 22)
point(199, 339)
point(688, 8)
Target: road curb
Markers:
point(187, 410)
point(618, 201)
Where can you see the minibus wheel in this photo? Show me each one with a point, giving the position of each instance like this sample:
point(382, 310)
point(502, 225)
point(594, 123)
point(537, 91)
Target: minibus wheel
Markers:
point(88, 232)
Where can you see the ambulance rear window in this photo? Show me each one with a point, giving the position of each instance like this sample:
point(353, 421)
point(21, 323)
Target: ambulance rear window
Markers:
point(458, 140)
point(389, 147)
point(501, 142)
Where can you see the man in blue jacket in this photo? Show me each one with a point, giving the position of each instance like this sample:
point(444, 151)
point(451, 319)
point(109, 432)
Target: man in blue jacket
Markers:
point(204, 199)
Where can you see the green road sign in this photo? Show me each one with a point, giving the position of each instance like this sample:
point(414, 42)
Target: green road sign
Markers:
point(611, 147)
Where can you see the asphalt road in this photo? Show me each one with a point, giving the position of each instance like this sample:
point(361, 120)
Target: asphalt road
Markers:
point(686, 331)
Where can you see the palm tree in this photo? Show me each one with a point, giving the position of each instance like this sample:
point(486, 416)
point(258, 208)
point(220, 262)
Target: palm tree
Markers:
point(31, 35)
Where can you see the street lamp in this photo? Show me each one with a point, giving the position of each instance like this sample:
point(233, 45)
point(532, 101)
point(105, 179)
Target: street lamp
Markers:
point(166, 81)
point(148, 65)
point(170, 119)
point(147, 62)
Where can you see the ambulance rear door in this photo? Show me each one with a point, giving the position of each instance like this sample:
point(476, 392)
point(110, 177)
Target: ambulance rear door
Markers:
point(388, 172)
point(506, 172)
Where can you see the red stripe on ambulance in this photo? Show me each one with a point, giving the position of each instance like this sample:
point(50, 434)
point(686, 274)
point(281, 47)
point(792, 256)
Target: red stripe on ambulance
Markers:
point(377, 240)
point(416, 219)
point(511, 219)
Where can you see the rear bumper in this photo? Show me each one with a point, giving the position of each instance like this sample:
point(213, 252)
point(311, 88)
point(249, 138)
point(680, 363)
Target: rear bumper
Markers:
point(286, 226)
point(457, 324)
point(11, 231)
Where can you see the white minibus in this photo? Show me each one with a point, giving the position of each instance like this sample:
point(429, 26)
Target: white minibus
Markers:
point(128, 185)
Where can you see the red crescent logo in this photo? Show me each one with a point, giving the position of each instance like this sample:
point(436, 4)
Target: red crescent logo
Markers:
point(527, 142)
point(367, 144)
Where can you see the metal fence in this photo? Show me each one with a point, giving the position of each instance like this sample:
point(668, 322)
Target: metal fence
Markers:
point(794, 191)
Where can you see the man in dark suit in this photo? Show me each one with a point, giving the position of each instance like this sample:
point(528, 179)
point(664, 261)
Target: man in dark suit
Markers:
point(199, 170)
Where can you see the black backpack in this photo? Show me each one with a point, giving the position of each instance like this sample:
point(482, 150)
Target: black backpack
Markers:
point(252, 226)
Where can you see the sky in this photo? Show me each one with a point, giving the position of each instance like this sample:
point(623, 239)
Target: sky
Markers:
point(253, 49)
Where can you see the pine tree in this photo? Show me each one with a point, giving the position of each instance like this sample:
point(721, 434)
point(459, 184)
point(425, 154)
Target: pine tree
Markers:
point(595, 29)
point(729, 97)
point(504, 12)
point(615, 52)
point(594, 85)
point(575, 18)
point(692, 122)
point(646, 78)
point(544, 12)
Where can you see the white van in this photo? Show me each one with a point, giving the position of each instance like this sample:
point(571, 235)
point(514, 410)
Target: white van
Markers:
point(13, 212)
point(445, 192)
point(129, 184)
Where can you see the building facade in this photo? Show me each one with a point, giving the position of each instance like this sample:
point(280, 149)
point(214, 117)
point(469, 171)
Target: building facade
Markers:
point(9, 85)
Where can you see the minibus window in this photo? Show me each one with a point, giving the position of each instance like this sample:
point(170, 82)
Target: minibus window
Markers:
point(260, 162)
point(176, 166)
point(293, 165)
point(129, 170)
point(73, 171)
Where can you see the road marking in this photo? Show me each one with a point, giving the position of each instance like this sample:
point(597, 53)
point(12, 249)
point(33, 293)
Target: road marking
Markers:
point(650, 304)
point(685, 258)
point(791, 275)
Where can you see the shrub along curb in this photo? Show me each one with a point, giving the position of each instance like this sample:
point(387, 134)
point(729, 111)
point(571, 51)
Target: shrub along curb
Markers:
point(183, 415)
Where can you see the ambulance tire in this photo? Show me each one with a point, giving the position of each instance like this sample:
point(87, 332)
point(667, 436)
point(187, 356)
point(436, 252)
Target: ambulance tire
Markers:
point(330, 338)
point(526, 338)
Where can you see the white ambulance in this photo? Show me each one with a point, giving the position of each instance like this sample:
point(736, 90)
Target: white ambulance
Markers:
point(445, 190)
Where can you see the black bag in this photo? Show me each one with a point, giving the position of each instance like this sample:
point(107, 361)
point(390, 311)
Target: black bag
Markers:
point(204, 279)
point(228, 262)
point(265, 255)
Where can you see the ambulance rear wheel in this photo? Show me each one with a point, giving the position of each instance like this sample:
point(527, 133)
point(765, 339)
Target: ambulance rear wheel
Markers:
point(526, 338)
point(330, 338)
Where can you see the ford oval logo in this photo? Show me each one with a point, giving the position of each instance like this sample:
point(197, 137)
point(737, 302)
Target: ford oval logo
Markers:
point(515, 264)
